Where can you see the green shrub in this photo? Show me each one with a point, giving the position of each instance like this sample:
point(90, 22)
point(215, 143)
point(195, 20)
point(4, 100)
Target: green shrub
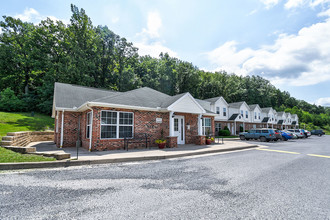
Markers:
point(9, 101)
point(224, 132)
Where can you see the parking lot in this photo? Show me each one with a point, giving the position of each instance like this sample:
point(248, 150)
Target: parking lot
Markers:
point(283, 180)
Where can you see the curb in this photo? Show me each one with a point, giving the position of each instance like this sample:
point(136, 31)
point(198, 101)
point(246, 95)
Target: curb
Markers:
point(68, 163)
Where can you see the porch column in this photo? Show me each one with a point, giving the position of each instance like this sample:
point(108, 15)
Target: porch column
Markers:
point(235, 132)
point(171, 124)
point(62, 124)
point(200, 128)
point(243, 126)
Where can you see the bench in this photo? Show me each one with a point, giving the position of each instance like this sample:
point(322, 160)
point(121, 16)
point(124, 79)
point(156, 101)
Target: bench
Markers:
point(137, 138)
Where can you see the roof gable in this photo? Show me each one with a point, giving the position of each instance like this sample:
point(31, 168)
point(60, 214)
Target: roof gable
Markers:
point(186, 103)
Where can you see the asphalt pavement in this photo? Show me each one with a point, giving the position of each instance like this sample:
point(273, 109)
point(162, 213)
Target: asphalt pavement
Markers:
point(285, 180)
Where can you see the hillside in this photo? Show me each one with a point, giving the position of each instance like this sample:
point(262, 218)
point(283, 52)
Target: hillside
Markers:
point(34, 57)
point(12, 122)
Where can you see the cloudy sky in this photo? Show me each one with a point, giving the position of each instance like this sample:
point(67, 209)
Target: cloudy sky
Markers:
point(284, 41)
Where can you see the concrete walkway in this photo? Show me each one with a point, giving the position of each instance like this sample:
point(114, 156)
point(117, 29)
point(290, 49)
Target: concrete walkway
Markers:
point(100, 157)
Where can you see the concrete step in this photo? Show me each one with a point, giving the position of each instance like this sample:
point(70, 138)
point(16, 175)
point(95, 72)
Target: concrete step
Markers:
point(5, 143)
point(56, 155)
point(22, 150)
point(8, 138)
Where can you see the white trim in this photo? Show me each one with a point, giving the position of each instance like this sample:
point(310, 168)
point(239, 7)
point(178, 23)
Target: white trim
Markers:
point(183, 133)
point(171, 124)
point(117, 125)
point(192, 98)
point(62, 128)
point(56, 117)
point(91, 121)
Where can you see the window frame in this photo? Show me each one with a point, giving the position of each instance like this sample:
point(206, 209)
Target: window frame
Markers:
point(246, 114)
point(242, 113)
point(203, 125)
point(88, 124)
point(224, 111)
point(217, 110)
point(117, 124)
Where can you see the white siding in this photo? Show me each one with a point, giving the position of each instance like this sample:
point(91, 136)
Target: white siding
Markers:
point(186, 104)
point(221, 104)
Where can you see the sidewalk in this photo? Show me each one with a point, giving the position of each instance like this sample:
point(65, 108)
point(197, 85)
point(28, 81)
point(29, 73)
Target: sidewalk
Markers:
point(116, 156)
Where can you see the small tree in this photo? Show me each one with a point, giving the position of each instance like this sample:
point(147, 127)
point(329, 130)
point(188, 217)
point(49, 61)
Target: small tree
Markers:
point(9, 101)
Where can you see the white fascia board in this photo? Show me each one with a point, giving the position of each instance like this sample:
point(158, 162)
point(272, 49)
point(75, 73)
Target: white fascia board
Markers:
point(169, 108)
point(100, 104)
point(247, 106)
point(223, 99)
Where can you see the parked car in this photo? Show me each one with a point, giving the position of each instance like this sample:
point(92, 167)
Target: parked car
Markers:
point(317, 132)
point(308, 133)
point(278, 135)
point(293, 135)
point(298, 132)
point(262, 134)
point(286, 135)
point(304, 132)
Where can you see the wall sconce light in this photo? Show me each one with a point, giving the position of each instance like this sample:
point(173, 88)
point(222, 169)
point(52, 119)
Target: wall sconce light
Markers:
point(173, 115)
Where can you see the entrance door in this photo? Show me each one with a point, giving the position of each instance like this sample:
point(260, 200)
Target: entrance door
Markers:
point(179, 129)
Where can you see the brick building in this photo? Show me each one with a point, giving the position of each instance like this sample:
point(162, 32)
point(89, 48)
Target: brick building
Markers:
point(102, 118)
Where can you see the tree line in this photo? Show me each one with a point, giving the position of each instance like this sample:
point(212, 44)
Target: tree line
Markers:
point(34, 57)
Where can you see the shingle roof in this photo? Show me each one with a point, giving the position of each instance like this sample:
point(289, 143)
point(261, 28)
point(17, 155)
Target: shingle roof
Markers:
point(233, 117)
point(143, 97)
point(266, 109)
point(69, 96)
point(280, 122)
point(213, 100)
point(205, 104)
point(253, 106)
point(235, 104)
point(265, 119)
point(281, 113)
point(294, 122)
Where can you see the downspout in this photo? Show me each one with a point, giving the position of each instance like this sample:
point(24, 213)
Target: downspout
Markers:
point(62, 124)
point(91, 129)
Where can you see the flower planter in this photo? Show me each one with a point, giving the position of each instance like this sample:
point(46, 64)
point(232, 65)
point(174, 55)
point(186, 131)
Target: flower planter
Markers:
point(208, 141)
point(162, 145)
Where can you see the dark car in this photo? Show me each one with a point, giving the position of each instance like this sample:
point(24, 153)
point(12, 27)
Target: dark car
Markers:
point(278, 135)
point(317, 132)
point(262, 134)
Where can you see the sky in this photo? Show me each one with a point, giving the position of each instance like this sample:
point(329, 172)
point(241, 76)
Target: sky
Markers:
point(284, 41)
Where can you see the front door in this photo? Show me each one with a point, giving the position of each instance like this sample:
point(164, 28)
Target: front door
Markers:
point(179, 129)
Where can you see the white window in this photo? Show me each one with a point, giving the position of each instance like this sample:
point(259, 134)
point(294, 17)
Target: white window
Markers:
point(255, 115)
point(246, 114)
point(218, 110)
point(206, 124)
point(242, 113)
point(88, 124)
point(116, 124)
point(217, 127)
point(224, 111)
point(259, 115)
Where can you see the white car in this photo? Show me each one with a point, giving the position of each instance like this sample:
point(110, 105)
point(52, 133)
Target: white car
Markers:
point(297, 132)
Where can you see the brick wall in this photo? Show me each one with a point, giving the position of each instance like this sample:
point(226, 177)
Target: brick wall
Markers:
point(144, 122)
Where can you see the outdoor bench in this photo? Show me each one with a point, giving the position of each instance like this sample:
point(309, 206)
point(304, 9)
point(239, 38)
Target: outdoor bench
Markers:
point(137, 138)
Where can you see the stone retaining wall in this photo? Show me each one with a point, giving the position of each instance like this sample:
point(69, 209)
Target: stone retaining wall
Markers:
point(23, 138)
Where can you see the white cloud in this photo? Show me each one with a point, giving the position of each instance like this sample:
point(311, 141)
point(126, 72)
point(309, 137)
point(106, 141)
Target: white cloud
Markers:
point(323, 101)
point(269, 3)
point(154, 49)
point(324, 13)
point(296, 60)
point(149, 39)
point(32, 15)
point(294, 3)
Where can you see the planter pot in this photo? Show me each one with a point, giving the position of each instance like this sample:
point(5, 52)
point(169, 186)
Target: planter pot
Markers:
point(162, 145)
point(208, 141)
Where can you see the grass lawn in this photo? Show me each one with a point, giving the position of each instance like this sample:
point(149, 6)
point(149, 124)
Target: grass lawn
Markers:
point(226, 136)
point(8, 156)
point(23, 121)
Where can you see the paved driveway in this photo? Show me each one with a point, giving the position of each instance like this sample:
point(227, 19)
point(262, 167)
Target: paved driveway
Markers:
point(283, 181)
